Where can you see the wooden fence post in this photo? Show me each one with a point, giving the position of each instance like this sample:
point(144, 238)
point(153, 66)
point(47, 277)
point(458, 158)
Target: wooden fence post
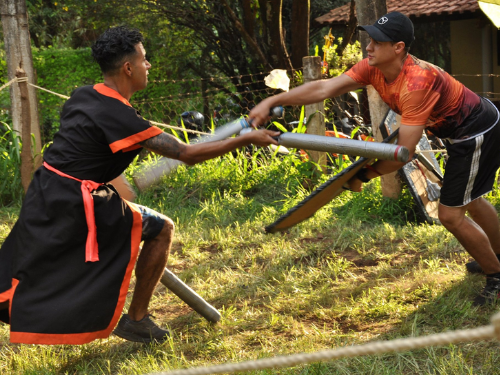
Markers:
point(316, 124)
point(26, 157)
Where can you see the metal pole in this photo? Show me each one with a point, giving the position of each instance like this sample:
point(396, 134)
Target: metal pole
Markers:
point(189, 296)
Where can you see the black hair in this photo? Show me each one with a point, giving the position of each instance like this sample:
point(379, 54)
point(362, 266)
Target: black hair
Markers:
point(113, 46)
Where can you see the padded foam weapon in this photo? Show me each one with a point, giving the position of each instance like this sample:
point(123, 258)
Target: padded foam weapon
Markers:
point(152, 173)
point(371, 150)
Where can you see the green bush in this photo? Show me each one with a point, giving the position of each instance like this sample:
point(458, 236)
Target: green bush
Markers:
point(63, 70)
point(60, 70)
point(10, 165)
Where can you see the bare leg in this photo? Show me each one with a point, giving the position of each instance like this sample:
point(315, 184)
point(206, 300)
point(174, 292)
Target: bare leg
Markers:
point(149, 269)
point(484, 214)
point(472, 237)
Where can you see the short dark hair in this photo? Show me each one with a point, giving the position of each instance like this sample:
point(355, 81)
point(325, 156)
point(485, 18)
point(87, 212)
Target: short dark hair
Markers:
point(114, 45)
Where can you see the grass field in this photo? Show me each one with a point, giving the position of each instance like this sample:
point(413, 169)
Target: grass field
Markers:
point(360, 270)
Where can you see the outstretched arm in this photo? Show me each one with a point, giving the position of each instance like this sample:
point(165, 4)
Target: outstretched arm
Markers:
point(309, 93)
point(170, 147)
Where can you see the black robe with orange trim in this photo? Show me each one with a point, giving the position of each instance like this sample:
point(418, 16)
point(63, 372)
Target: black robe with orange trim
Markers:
point(55, 296)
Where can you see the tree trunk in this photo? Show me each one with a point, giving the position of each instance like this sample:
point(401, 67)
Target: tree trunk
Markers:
point(350, 30)
point(300, 31)
point(26, 158)
point(368, 12)
point(18, 51)
point(248, 18)
point(277, 42)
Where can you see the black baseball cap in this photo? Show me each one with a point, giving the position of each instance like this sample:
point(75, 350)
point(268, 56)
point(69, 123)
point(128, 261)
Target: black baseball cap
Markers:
point(393, 27)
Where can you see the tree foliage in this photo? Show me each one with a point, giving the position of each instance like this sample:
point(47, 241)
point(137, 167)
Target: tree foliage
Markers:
point(224, 37)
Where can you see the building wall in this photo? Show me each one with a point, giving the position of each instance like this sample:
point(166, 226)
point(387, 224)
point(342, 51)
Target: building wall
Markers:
point(496, 62)
point(466, 54)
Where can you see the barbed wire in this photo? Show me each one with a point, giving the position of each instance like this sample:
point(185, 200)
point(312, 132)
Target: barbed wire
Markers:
point(198, 93)
point(166, 110)
point(25, 79)
point(221, 78)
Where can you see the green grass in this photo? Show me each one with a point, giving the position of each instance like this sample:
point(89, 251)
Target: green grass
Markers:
point(360, 270)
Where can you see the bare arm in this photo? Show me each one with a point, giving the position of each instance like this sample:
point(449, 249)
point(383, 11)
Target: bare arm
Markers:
point(168, 146)
point(408, 136)
point(309, 93)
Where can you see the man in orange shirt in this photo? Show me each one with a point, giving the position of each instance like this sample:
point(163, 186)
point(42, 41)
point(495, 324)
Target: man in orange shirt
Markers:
point(426, 97)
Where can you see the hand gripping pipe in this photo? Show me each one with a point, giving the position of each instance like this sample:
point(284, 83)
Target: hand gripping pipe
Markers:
point(371, 150)
point(152, 173)
point(189, 296)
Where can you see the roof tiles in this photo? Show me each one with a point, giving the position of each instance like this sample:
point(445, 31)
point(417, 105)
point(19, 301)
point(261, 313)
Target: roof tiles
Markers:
point(416, 8)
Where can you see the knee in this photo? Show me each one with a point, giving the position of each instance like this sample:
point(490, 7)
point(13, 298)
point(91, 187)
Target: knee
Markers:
point(167, 232)
point(449, 219)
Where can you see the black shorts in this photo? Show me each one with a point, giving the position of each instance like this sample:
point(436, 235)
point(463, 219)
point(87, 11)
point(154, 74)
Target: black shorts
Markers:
point(471, 168)
point(152, 222)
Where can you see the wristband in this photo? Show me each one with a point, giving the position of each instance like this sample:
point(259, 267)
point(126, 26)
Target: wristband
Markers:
point(361, 175)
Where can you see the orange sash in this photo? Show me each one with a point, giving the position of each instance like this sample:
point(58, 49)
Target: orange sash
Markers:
point(87, 187)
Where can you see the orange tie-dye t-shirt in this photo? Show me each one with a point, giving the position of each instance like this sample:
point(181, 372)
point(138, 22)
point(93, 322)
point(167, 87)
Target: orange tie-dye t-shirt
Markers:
point(424, 94)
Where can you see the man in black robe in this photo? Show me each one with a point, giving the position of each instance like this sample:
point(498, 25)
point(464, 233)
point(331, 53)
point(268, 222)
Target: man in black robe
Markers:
point(65, 267)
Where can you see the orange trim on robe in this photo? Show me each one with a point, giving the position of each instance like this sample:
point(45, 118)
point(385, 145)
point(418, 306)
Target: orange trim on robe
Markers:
point(129, 143)
point(83, 338)
point(131, 148)
point(101, 88)
point(7, 295)
point(126, 143)
point(135, 242)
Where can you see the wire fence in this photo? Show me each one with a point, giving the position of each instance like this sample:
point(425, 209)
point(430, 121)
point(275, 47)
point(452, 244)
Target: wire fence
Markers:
point(202, 104)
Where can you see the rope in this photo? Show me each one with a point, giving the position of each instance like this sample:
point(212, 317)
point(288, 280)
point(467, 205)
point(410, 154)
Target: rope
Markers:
point(52, 92)
point(380, 347)
point(8, 83)
point(25, 79)
point(177, 128)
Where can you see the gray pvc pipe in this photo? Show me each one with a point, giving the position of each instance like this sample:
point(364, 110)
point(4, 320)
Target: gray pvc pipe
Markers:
point(150, 174)
point(189, 296)
point(147, 176)
point(371, 150)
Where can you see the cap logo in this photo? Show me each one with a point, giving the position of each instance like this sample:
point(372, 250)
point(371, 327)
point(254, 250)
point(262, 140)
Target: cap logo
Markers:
point(383, 20)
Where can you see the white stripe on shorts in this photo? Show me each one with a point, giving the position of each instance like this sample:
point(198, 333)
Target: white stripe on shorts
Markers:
point(474, 168)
